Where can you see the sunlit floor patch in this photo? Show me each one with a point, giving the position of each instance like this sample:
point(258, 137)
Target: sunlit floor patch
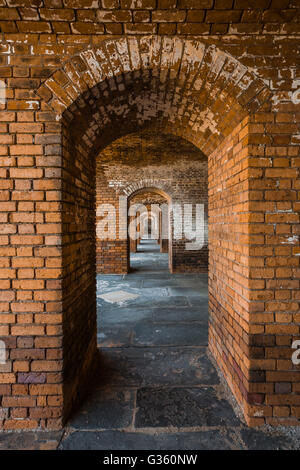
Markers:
point(118, 296)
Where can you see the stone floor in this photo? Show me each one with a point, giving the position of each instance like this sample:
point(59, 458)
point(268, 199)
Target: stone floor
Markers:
point(158, 388)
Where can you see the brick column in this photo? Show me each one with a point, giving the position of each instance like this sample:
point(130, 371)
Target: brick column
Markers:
point(254, 268)
point(274, 264)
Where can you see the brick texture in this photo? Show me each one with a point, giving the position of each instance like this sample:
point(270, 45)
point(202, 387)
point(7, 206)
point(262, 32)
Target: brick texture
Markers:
point(79, 75)
point(150, 17)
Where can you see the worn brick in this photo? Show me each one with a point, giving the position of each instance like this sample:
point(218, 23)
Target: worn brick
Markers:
point(248, 126)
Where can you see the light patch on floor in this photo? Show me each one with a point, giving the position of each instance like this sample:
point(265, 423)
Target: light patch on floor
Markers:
point(118, 296)
point(102, 285)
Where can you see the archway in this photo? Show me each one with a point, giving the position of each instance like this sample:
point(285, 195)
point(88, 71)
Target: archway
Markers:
point(188, 89)
point(150, 158)
point(154, 203)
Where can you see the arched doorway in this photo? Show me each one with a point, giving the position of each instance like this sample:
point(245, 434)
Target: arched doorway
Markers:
point(108, 91)
point(152, 208)
point(151, 158)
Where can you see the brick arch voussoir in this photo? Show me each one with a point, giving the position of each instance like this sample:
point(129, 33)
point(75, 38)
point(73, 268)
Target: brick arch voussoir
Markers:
point(148, 185)
point(147, 197)
point(216, 82)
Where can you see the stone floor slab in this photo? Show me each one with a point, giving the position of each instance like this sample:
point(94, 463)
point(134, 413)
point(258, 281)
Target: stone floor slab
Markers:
point(30, 440)
point(183, 407)
point(268, 440)
point(114, 336)
point(105, 409)
point(181, 315)
point(188, 291)
point(180, 334)
point(123, 440)
point(137, 367)
point(110, 317)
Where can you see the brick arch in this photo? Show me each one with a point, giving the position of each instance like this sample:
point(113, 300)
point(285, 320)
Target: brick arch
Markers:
point(148, 192)
point(156, 192)
point(151, 217)
point(148, 198)
point(196, 90)
point(151, 186)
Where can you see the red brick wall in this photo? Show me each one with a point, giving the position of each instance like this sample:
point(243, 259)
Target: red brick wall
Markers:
point(79, 266)
point(274, 260)
point(111, 253)
point(200, 89)
point(253, 270)
point(229, 263)
point(184, 17)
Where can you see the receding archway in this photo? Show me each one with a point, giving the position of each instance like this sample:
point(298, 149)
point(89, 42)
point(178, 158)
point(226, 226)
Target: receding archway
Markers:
point(150, 158)
point(155, 204)
point(186, 88)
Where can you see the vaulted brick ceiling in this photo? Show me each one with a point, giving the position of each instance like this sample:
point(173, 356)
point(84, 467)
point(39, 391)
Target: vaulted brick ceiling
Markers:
point(148, 147)
point(149, 16)
point(143, 160)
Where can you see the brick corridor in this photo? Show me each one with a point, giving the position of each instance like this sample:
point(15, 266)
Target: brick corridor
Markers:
point(157, 387)
point(224, 78)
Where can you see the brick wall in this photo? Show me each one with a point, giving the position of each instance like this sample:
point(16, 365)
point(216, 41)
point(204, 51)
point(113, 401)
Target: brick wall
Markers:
point(229, 267)
point(239, 62)
point(254, 277)
point(274, 261)
point(186, 17)
point(79, 261)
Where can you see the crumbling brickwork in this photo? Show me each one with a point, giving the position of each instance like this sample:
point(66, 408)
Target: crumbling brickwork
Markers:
point(183, 17)
point(79, 75)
